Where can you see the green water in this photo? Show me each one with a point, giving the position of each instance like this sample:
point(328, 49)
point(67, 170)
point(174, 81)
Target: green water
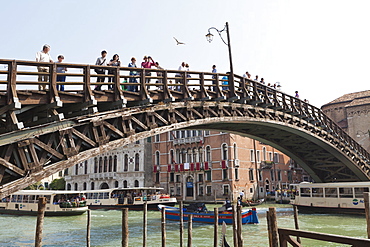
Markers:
point(106, 229)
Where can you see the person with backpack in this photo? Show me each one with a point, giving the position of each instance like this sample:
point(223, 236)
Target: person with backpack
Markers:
point(103, 62)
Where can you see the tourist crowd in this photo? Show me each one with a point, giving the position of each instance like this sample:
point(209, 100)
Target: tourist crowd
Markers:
point(147, 63)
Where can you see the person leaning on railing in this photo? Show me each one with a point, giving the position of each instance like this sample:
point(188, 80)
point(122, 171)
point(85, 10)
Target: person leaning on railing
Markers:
point(113, 62)
point(43, 56)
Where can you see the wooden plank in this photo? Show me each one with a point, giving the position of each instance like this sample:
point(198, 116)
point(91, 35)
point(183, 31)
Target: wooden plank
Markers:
point(83, 137)
point(12, 167)
point(114, 129)
point(139, 123)
point(2, 172)
point(48, 148)
point(325, 237)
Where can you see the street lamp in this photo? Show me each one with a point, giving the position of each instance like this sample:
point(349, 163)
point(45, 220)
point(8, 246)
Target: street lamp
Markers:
point(209, 38)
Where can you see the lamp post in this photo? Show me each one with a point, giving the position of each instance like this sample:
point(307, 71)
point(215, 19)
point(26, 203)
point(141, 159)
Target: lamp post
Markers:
point(209, 37)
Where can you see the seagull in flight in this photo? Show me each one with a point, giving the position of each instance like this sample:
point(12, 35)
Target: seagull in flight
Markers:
point(178, 42)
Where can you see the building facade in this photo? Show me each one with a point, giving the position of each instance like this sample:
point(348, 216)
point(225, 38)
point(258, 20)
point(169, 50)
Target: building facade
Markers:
point(128, 166)
point(352, 113)
point(208, 166)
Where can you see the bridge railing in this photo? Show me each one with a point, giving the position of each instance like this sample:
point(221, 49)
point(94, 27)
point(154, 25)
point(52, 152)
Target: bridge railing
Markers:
point(20, 82)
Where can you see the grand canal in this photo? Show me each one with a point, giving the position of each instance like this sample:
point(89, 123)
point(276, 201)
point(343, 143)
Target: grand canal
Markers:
point(106, 229)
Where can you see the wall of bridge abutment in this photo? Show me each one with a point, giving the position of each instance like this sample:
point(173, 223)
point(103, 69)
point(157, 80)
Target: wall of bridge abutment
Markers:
point(60, 126)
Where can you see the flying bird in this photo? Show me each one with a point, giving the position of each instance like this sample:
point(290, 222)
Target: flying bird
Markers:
point(178, 42)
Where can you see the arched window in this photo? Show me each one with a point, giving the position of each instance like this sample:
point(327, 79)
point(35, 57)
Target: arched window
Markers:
point(115, 163)
point(224, 151)
point(110, 164)
point(136, 183)
point(69, 187)
point(137, 160)
point(76, 186)
point(105, 164)
point(116, 184)
point(178, 156)
point(85, 186)
point(96, 165)
point(183, 155)
point(92, 186)
point(200, 154)
point(195, 155)
point(208, 153)
point(264, 154)
point(235, 151)
point(104, 186)
point(190, 156)
point(100, 165)
point(85, 167)
point(157, 158)
point(172, 157)
point(125, 184)
point(125, 163)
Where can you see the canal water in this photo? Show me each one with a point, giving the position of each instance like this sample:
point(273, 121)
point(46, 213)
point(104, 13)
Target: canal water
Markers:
point(106, 229)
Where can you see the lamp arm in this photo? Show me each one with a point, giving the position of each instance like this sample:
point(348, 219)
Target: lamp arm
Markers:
point(219, 33)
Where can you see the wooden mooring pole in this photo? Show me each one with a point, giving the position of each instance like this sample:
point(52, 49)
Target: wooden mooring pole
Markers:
point(190, 230)
point(40, 221)
point(88, 228)
point(145, 223)
point(215, 232)
point(367, 211)
point(272, 227)
point(125, 227)
point(296, 222)
point(235, 225)
point(239, 225)
point(163, 218)
point(181, 224)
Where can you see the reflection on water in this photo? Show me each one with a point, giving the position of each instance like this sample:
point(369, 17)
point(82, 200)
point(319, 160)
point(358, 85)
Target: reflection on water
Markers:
point(106, 229)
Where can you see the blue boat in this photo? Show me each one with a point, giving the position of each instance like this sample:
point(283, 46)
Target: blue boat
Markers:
point(202, 215)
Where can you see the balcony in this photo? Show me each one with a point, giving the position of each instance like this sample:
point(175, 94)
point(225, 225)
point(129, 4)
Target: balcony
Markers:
point(266, 164)
point(105, 175)
point(188, 140)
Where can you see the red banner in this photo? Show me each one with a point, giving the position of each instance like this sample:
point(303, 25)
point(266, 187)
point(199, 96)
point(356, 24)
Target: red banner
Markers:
point(223, 164)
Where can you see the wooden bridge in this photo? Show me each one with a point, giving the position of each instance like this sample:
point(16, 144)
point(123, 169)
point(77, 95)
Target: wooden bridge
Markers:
point(45, 131)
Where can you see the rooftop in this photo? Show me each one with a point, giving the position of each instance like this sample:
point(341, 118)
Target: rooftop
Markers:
point(353, 99)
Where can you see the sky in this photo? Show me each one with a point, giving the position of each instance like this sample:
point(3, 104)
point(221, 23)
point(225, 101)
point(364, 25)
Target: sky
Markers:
point(318, 47)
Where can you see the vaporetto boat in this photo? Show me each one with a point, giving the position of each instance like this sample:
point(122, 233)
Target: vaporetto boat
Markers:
point(58, 203)
point(342, 198)
point(132, 198)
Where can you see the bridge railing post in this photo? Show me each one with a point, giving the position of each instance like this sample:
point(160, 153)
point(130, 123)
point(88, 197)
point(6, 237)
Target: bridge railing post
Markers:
point(185, 88)
point(53, 92)
point(144, 94)
point(167, 95)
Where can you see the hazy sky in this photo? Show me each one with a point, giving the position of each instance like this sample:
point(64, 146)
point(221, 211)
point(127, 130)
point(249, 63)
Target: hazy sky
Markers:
point(318, 47)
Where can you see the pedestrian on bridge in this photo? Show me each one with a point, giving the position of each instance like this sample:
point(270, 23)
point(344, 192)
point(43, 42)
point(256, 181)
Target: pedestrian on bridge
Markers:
point(60, 69)
point(148, 63)
point(103, 62)
point(132, 88)
point(43, 56)
point(113, 62)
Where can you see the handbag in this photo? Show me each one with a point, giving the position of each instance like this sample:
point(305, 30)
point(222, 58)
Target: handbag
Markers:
point(99, 71)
